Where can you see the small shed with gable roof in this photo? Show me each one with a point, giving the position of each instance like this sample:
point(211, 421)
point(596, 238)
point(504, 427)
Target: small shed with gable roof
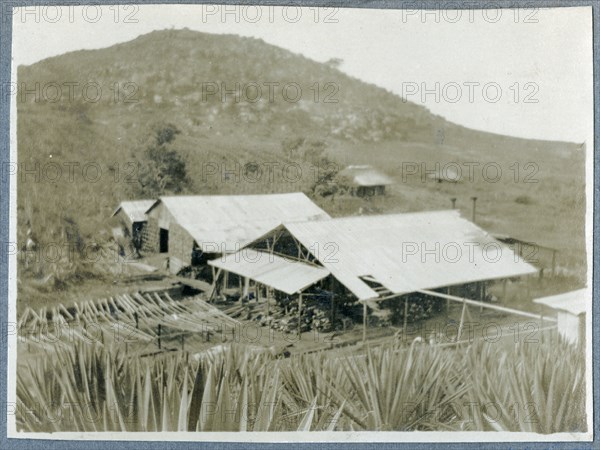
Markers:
point(570, 310)
point(364, 180)
point(131, 215)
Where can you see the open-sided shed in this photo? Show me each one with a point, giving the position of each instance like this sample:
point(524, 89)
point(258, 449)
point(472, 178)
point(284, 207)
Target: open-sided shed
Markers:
point(395, 254)
point(277, 272)
point(380, 257)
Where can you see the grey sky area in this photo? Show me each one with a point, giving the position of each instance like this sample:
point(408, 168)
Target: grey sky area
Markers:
point(524, 72)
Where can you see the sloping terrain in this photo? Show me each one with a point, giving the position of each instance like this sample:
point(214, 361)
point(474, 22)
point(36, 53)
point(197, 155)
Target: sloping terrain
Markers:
point(84, 119)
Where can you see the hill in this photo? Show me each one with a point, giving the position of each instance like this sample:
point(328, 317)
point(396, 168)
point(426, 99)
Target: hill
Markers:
point(255, 118)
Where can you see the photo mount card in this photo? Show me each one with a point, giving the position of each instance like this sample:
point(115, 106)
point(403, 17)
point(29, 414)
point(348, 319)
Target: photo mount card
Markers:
point(257, 223)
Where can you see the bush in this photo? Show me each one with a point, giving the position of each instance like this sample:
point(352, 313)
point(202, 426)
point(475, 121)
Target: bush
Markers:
point(524, 200)
point(162, 169)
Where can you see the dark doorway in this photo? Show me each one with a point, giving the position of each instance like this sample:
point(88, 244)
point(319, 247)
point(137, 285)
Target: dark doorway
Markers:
point(164, 240)
point(137, 230)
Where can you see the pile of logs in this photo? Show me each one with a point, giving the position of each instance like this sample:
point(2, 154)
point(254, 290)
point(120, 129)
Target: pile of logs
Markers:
point(418, 307)
point(283, 316)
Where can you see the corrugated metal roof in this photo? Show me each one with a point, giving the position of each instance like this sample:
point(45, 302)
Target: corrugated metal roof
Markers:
point(233, 221)
point(135, 209)
point(574, 302)
point(366, 176)
point(407, 252)
point(285, 275)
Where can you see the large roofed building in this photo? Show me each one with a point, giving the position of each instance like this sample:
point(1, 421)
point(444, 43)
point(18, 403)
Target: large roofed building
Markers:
point(184, 226)
point(390, 255)
point(407, 252)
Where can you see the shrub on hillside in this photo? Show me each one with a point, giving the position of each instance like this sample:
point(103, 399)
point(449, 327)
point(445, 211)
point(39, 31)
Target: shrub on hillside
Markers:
point(162, 169)
point(524, 200)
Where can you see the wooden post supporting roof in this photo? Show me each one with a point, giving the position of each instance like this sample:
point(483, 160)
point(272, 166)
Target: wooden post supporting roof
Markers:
point(542, 322)
point(364, 322)
point(246, 289)
point(214, 285)
point(299, 315)
point(268, 298)
point(332, 313)
point(481, 295)
point(405, 313)
point(462, 320)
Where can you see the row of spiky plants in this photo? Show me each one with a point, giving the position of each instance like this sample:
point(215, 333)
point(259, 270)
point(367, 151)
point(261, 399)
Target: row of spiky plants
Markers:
point(535, 388)
point(386, 388)
point(92, 388)
point(421, 387)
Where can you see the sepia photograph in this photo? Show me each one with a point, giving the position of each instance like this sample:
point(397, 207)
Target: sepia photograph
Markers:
point(259, 223)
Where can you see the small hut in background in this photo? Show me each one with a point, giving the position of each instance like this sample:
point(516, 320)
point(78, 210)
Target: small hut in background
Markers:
point(364, 181)
point(132, 218)
point(570, 310)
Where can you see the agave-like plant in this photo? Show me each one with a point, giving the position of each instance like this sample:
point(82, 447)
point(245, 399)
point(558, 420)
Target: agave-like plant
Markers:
point(536, 388)
point(98, 387)
point(104, 390)
point(399, 388)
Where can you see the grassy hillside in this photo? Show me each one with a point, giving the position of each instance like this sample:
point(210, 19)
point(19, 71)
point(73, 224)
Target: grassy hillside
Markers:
point(165, 77)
